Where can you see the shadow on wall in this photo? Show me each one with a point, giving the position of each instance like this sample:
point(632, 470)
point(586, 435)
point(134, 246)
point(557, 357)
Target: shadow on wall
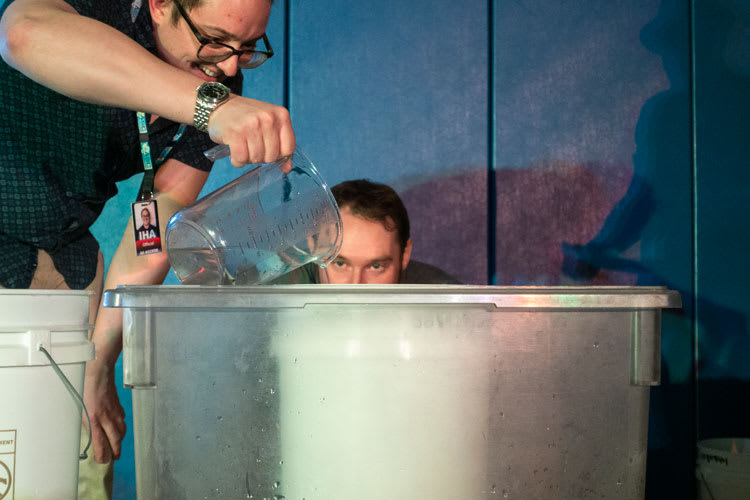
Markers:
point(649, 234)
point(538, 208)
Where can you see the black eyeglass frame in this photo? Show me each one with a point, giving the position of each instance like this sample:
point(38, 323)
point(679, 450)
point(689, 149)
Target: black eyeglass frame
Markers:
point(234, 52)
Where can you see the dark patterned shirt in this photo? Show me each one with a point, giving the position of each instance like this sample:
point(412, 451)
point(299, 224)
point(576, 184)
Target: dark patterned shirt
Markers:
point(60, 159)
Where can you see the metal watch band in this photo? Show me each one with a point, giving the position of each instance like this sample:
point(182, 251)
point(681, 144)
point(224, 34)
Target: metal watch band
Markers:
point(204, 104)
point(201, 114)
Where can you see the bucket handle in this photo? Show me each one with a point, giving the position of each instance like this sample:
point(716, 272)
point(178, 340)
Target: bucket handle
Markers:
point(705, 483)
point(77, 397)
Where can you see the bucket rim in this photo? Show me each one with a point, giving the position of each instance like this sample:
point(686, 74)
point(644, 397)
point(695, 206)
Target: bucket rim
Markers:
point(724, 445)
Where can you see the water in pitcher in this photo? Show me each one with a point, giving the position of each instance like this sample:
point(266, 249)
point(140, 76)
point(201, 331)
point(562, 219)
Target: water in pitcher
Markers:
point(234, 265)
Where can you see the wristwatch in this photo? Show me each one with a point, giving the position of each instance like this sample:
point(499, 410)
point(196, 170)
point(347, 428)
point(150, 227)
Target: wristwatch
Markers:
point(210, 96)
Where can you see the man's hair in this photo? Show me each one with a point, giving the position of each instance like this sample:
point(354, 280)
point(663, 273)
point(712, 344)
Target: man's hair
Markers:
point(374, 202)
point(189, 5)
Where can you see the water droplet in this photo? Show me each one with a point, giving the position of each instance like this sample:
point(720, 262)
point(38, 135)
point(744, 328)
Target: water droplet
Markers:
point(494, 489)
point(260, 380)
point(281, 462)
point(273, 391)
point(505, 494)
point(198, 438)
point(276, 484)
point(548, 427)
point(619, 482)
point(502, 414)
point(596, 344)
point(220, 418)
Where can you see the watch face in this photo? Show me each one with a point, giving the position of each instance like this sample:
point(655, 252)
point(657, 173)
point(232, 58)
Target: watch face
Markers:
point(214, 91)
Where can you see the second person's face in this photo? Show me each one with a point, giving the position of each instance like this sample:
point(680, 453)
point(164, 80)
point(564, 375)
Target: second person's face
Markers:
point(370, 254)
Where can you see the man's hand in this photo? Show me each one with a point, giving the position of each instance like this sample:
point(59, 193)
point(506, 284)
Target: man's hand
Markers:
point(106, 414)
point(255, 131)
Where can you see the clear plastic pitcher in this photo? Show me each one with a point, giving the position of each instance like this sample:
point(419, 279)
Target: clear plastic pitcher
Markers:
point(258, 227)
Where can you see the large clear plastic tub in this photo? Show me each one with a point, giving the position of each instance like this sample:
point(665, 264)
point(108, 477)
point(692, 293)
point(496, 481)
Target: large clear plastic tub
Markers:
point(398, 392)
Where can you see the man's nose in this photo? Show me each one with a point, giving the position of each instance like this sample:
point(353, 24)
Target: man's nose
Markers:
point(229, 66)
point(358, 277)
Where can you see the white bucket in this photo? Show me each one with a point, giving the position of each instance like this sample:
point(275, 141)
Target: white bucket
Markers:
point(723, 469)
point(40, 421)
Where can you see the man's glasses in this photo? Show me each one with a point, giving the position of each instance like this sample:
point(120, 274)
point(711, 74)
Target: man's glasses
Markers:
point(212, 51)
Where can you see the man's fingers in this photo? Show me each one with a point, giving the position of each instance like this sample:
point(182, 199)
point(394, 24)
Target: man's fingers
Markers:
point(271, 147)
point(287, 139)
point(100, 444)
point(256, 132)
point(114, 432)
point(286, 167)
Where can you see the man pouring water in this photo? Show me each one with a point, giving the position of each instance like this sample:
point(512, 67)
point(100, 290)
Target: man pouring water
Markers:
point(95, 92)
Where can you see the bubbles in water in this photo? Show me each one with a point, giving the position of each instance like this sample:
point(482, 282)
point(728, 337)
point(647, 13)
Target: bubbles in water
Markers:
point(198, 438)
point(494, 489)
point(219, 418)
point(276, 484)
point(272, 391)
point(596, 344)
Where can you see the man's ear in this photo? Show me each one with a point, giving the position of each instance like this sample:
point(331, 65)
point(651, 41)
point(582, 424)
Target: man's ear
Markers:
point(406, 255)
point(161, 10)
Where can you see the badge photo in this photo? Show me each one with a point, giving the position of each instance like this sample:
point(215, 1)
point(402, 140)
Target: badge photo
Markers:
point(146, 227)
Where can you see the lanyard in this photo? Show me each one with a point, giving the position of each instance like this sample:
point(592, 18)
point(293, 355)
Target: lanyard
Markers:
point(147, 186)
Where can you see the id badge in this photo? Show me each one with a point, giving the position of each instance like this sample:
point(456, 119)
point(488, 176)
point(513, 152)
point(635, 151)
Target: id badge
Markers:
point(146, 227)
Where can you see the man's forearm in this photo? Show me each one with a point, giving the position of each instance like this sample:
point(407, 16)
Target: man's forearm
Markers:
point(87, 60)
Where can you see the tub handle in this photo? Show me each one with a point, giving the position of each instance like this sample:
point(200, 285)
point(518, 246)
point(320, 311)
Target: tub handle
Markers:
point(645, 348)
point(77, 397)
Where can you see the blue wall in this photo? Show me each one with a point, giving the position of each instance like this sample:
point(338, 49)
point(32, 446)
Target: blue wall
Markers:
point(545, 142)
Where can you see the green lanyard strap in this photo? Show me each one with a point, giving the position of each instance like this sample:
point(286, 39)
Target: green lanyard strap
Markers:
point(147, 186)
